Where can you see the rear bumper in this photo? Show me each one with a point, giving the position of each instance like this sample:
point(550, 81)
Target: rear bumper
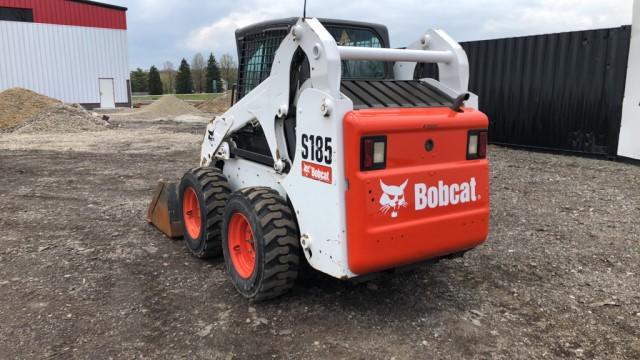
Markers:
point(377, 241)
point(392, 246)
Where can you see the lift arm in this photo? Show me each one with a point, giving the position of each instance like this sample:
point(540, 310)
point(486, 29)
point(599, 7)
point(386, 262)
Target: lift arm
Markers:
point(268, 103)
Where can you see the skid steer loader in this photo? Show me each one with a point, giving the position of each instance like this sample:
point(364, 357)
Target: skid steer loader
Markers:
point(335, 154)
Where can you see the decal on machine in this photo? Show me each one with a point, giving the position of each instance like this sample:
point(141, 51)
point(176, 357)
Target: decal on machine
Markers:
point(441, 195)
point(392, 198)
point(317, 149)
point(317, 172)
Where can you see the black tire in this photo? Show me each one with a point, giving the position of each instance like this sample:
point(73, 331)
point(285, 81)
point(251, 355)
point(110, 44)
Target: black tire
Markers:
point(275, 241)
point(212, 190)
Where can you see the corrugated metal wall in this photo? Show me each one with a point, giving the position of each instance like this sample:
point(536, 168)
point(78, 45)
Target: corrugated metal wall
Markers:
point(63, 62)
point(64, 12)
point(557, 91)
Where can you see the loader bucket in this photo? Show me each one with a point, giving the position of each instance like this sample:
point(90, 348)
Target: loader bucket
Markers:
point(164, 212)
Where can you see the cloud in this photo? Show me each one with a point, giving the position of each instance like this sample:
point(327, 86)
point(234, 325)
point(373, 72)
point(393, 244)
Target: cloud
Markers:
point(560, 15)
point(163, 30)
point(220, 35)
point(406, 19)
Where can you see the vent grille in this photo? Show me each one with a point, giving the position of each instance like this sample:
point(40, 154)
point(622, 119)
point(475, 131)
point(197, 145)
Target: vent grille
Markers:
point(367, 94)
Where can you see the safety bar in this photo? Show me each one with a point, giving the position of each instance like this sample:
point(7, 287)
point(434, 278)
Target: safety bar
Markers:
point(380, 54)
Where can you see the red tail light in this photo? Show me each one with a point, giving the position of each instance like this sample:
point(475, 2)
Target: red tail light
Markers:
point(373, 153)
point(482, 145)
point(477, 145)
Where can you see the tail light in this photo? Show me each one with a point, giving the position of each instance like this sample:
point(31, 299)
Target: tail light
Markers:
point(477, 145)
point(373, 153)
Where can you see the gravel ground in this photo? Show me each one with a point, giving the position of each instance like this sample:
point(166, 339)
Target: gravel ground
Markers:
point(83, 276)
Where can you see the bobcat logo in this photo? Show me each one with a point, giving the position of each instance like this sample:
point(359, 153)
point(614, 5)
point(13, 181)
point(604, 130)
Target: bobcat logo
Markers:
point(392, 198)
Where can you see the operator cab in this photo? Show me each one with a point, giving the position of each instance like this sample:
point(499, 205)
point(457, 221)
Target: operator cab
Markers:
point(257, 45)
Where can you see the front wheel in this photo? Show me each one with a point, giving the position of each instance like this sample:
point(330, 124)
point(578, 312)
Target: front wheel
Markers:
point(203, 195)
point(260, 243)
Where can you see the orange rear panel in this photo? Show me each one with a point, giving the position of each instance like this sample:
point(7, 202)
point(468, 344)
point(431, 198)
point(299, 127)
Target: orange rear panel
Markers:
point(424, 204)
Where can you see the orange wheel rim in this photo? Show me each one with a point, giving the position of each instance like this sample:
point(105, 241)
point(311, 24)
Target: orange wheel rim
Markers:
point(241, 245)
point(191, 213)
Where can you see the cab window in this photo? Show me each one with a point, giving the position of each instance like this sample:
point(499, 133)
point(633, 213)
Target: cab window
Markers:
point(256, 57)
point(359, 69)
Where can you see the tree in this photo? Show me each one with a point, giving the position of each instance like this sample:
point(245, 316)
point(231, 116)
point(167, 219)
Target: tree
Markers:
point(139, 81)
point(213, 74)
point(155, 83)
point(198, 72)
point(168, 77)
point(184, 82)
point(228, 69)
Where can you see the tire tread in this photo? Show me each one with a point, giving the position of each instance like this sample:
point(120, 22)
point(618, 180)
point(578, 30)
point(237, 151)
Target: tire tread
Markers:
point(216, 192)
point(281, 243)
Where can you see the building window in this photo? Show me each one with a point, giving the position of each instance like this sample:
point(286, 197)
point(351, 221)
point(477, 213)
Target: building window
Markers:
point(16, 14)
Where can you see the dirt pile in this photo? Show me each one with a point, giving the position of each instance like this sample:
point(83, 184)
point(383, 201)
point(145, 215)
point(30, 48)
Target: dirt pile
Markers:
point(167, 107)
point(23, 111)
point(217, 105)
point(18, 105)
point(61, 118)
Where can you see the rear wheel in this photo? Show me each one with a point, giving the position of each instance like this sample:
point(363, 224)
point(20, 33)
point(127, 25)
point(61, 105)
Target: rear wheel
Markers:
point(260, 242)
point(203, 195)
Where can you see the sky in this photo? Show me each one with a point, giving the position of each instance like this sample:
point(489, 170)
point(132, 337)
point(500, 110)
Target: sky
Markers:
point(169, 30)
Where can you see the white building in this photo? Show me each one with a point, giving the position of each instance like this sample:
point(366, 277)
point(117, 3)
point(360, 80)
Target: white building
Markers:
point(71, 50)
point(629, 145)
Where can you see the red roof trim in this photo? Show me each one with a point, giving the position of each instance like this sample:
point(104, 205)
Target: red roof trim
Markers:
point(73, 13)
point(95, 3)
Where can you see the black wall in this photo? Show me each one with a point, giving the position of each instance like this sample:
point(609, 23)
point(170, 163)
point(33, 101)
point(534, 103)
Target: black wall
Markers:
point(557, 92)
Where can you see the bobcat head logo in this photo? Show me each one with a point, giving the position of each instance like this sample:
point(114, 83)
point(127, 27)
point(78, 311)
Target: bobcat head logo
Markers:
point(392, 198)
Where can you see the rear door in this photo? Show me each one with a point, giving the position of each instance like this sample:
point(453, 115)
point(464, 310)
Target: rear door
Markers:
point(414, 192)
point(107, 94)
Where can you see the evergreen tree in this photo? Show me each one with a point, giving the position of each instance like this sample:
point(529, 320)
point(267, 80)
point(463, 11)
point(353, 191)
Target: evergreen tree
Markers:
point(139, 81)
point(155, 83)
point(184, 82)
point(213, 74)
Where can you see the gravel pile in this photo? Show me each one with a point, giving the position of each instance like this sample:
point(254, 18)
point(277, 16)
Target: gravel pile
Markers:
point(23, 111)
point(167, 107)
point(216, 105)
point(18, 105)
point(61, 118)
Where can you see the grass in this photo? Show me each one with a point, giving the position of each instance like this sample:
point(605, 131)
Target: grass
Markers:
point(193, 97)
